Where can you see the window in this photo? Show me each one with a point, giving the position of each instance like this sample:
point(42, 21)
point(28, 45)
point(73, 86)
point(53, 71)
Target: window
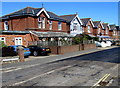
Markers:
point(39, 22)
point(2, 39)
point(74, 26)
point(106, 31)
point(102, 31)
point(114, 32)
point(6, 25)
point(50, 25)
point(59, 26)
point(18, 41)
point(89, 29)
point(43, 22)
point(98, 30)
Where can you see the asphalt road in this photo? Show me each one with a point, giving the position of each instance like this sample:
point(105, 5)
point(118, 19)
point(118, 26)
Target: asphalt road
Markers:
point(83, 70)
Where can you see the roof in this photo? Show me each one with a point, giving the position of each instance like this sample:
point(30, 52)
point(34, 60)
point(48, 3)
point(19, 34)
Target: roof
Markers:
point(105, 25)
point(118, 28)
point(96, 23)
point(69, 18)
point(25, 11)
point(54, 16)
point(113, 27)
point(85, 21)
point(50, 34)
point(29, 11)
point(14, 32)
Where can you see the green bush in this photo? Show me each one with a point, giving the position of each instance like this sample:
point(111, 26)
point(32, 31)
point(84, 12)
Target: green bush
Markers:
point(95, 38)
point(77, 40)
point(2, 44)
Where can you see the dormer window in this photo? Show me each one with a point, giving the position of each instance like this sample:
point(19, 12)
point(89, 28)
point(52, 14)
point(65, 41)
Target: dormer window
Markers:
point(59, 26)
point(89, 29)
point(6, 25)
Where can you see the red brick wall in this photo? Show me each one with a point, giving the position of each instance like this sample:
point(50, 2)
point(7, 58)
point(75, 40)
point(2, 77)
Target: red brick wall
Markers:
point(10, 39)
point(85, 28)
point(110, 33)
point(95, 30)
point(71, 48)
point(23, 23)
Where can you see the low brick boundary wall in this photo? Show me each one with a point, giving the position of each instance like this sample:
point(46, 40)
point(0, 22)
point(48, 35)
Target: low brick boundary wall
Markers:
point(89, 46)
point(70, 48)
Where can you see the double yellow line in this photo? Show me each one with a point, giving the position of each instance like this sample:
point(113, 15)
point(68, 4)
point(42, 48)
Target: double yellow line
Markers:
point(101, 80)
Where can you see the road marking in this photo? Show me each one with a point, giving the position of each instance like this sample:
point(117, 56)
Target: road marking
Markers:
point(102, 79)
point(17, 68)
point(49, 72)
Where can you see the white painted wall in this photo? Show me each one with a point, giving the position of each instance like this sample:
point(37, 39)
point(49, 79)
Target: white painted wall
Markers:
point(79, 28)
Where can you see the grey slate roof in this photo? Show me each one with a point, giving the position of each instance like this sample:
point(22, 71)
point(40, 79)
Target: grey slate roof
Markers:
point(112, 27)
point(85, 21)
point(105, 25)
point(96, 23)
point(118, 28)
point(68, 18)
point(55, 17)
point(29, 11)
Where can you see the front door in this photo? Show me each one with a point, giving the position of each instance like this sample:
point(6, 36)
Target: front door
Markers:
point(18, 40)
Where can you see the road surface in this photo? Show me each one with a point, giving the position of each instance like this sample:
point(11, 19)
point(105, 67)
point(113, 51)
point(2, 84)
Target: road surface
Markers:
point(83, 70)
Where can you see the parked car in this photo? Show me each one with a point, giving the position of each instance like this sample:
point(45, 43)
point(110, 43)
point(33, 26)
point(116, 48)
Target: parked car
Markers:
point(36, 50)
point(26, 50)
point(98, 44)
point(109, 43)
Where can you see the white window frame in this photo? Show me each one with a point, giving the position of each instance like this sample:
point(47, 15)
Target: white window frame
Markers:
point(59, 25)
point(102, 31)
point(106, 31)
point(74, 26)
point(114, 32)
point(6, 26)
point(98, 30)
point(50, 22)
point(3, 40)
point(39, 22)
point(43, 22)
point(16, 43)
point(89, 29)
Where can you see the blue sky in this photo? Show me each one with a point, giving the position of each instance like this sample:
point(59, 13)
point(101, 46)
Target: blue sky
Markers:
point(104, 11)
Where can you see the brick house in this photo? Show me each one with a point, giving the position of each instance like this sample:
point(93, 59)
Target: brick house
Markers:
point(114, 32)
point(106, 29)
point(88, 26)
point(97, 29)
point(118, 32)
point(74, 22)
point(32, 24)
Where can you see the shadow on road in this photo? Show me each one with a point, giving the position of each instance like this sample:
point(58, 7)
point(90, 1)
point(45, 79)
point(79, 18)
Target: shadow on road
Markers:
point(109, 55)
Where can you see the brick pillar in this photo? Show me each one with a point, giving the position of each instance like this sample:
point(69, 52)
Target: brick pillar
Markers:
point(21, 54)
